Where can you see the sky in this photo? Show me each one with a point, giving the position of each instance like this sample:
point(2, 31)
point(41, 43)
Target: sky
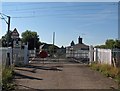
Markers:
point(95, 22)
point(59, 0)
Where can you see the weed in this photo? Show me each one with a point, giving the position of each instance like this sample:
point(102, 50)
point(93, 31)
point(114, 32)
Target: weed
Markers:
point(107, 70)
point(7, 76)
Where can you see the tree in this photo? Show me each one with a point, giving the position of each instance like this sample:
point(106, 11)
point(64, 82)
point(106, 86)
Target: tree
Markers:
point(0, 42)
point(32, 38)
point(110, 43)
point(117, 44)
point(72, 43)
point(51, 49)
point(5, 38)
point(100, 46)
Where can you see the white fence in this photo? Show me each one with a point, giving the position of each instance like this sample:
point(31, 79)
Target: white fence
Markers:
point(4, 57)
point(20, 56)
point(16, 55)
point(77, 53)
point(103, 56)
point(32, 53)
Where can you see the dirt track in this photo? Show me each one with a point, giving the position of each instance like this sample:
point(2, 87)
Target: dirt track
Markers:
point(61, 76)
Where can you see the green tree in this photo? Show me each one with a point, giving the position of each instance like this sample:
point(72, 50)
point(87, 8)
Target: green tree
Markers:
point(117, 44)
point(32, 38)
point(5, 38)
point(51, 49)
point(110, 43)
point(100, 46)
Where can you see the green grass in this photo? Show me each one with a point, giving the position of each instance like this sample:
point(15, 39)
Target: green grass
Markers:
point(7, 76)
point(107, 70)
point(0, 76)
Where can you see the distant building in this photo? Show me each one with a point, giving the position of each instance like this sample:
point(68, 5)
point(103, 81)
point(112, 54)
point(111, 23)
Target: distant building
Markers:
point(16, 39)
point(61, 52)
point(79, 50)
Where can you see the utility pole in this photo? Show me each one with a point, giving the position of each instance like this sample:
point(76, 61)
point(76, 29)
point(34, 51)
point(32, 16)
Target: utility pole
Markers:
point(53, 41)
point(119, 21)
point(8, 33)
point(8, 22)
point(53, 38)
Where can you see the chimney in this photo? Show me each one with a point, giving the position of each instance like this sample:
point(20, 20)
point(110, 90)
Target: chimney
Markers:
point(72, 43)
point(79, 40)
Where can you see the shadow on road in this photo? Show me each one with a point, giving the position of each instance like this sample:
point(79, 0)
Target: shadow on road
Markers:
point(21, 76)
point(26, 70)
point(34, 68)
point(26, 88)
point(52, 68)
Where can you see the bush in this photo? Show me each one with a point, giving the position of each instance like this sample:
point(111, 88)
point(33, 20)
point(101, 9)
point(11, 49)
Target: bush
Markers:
point(7, 76)
point(0, 77)
point(118, 76)
point(114, 72)
point(95, 66)
point(107, 70)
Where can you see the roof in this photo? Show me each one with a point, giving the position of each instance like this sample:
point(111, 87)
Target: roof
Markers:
point(15, 32)
point(80, 46)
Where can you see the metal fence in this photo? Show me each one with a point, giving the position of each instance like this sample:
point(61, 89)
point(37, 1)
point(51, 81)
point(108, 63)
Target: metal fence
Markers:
point(116, 57)
point(78, 55)
point(103, 56)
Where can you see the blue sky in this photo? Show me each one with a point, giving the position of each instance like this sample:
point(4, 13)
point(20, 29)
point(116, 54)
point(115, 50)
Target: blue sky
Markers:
point(59, 0)
point(94, 21)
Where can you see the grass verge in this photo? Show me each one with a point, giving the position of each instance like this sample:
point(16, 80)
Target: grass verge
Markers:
point(7, 76)
point(107, 70)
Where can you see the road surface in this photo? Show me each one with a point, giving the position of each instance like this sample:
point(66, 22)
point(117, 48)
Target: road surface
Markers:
point(61, 76)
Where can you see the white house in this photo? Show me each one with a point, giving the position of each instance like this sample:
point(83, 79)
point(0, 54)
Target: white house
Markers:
point(79, 50)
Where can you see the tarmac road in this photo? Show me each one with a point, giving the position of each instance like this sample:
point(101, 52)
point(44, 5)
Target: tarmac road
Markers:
point(61, 76)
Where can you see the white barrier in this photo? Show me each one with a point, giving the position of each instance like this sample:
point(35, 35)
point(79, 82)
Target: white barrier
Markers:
point(16, 55)
point(103, 56)
point(4, 52)
point(32, 53)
